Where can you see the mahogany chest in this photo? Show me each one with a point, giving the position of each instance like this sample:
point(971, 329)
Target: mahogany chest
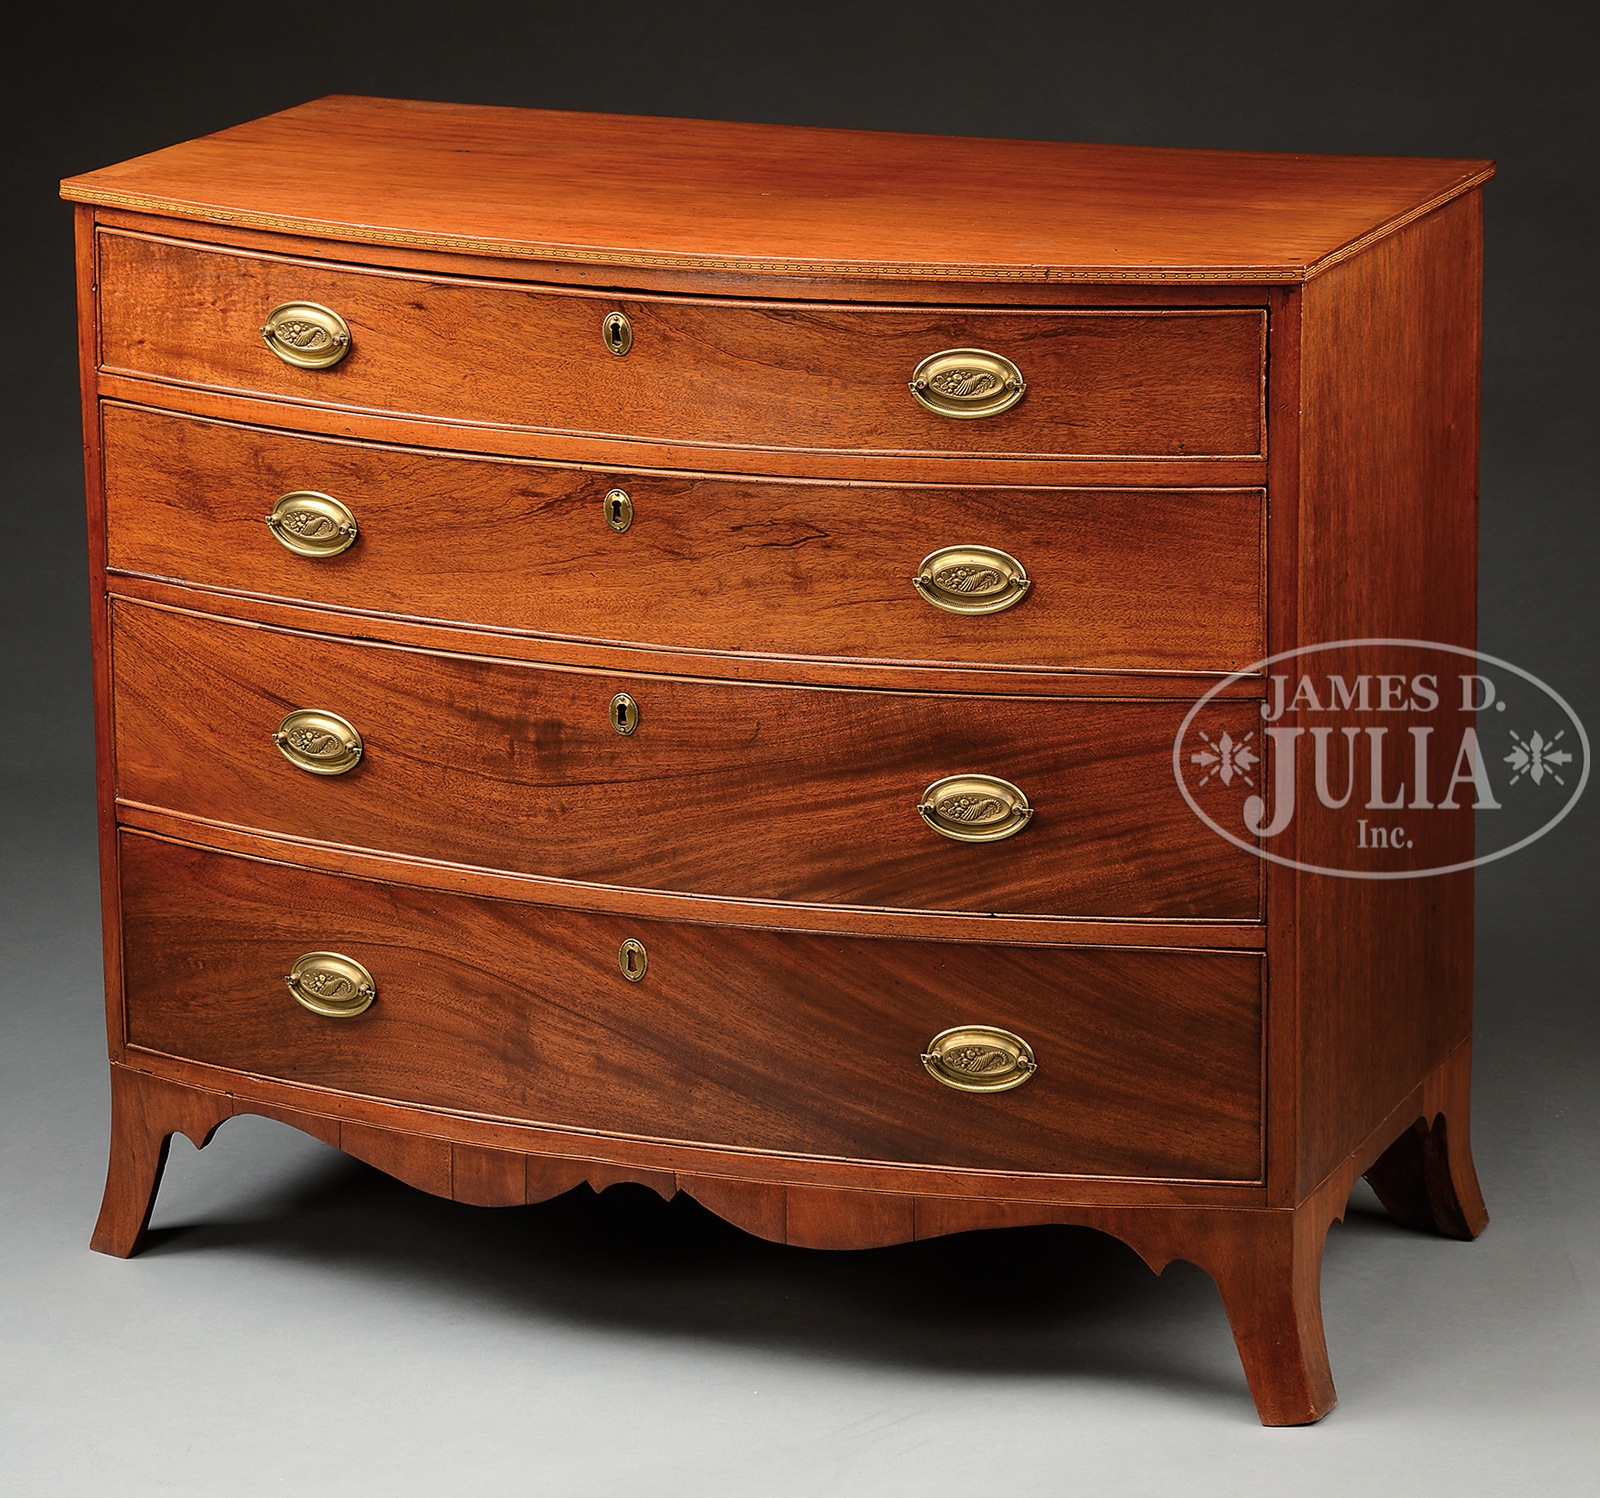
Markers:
point(651, 650)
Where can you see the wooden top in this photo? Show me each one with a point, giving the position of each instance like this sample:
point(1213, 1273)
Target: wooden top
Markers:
point(629, 190)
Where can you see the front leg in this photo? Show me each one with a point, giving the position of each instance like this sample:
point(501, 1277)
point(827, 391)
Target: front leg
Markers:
point(145, 1113)
point(1268, 1267)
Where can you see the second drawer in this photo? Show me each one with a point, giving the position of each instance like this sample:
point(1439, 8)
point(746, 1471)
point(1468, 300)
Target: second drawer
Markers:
point(1114, 579)
point(756, 792)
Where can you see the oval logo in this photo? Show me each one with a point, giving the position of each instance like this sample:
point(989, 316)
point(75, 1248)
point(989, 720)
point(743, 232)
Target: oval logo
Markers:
point(1382, 759)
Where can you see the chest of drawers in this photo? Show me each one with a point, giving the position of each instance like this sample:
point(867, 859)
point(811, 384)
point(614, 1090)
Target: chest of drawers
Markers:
point(636, 650)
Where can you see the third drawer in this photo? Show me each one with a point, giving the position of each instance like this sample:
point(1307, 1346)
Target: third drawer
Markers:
point(762, 792)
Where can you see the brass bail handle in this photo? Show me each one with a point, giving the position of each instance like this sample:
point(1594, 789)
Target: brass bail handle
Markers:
point(971, 580)
point(979, 1058)
point(332, 985)
point(311, 524)
point(967, 383)
point(975, 808)
point(319, 742)
point(307, 335)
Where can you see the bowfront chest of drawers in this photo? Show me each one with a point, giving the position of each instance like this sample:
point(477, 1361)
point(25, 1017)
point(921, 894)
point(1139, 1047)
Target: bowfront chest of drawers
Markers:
point(638, 650)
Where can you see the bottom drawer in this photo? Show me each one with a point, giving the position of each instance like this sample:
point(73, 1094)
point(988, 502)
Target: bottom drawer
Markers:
point(1147, 1064)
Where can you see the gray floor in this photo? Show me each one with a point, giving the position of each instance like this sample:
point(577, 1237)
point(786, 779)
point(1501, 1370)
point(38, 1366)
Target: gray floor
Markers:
point(301, 1323)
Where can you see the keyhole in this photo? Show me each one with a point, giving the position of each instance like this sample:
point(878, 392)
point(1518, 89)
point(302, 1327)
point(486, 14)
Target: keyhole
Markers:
point(633, 960)
point(618, 509)
point(624, 713)
point(617, 332)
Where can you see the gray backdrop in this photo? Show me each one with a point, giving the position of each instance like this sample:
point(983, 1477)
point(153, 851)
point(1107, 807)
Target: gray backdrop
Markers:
point(301, 1321)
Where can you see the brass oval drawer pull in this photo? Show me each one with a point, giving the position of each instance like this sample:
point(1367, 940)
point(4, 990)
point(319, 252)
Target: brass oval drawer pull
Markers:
point(975, 808)
point(307, 335)
point(318, 741)
point(312, 525)
point(971, 580)
point(967, 383)
point(332, 985)
point(979, 1058)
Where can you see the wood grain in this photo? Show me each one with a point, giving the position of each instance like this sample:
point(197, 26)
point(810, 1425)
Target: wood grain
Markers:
point(1149, 1063)
point(1388, 548)
point(840, 920)
point(615, 1157)
point(704, 195)
point(773, 793)
point(1139, 579)
point(703, 373)
point(870, 672)
point(499, 439)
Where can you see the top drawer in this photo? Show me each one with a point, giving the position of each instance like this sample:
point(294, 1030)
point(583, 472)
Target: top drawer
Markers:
point(790, 375)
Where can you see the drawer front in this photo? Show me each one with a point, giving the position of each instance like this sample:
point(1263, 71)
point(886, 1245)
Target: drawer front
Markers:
point(1115, 578)
point(1147, 1064)
point(759, 792)
point(1179, 384)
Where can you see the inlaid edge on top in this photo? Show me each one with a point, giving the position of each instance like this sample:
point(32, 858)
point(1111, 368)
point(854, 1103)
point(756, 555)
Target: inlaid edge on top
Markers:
point(711, 196)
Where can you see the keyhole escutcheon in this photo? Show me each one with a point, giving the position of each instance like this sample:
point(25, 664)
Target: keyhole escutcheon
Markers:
point(633, 960)
point(624, 713)
point(618, 509)
point(617, 332)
